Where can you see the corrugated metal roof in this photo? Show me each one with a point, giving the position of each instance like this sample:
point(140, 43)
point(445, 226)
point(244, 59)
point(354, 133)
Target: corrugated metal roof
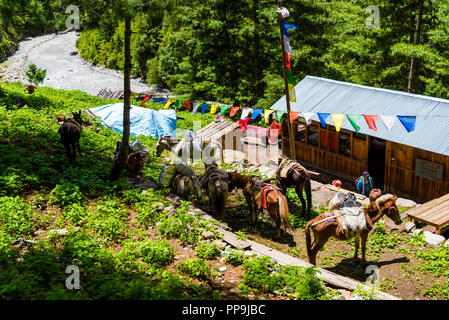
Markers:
point(314, 94)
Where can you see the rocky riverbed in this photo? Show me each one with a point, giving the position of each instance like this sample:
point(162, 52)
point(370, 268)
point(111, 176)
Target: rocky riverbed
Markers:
point(57, 53)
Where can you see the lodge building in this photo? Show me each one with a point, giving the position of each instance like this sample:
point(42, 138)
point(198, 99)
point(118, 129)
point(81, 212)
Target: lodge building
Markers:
point(414, 165)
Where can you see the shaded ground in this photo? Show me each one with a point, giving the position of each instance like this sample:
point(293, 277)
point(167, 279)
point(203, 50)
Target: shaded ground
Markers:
point(392, 253)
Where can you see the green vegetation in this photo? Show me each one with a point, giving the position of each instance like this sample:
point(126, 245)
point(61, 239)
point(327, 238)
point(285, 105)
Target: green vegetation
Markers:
point(229, 51)
point(207, 250)
point(297, 282)
point(35, 75)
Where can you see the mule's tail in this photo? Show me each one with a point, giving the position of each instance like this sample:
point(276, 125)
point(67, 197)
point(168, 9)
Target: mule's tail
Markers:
point(308, 189)
point(283, 210)
point(221, 191)
point(308, 239)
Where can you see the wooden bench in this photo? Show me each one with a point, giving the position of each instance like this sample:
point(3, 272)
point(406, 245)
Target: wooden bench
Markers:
point(434, 213)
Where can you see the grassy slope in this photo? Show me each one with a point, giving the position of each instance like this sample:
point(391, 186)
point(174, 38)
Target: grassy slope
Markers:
point(122, 240)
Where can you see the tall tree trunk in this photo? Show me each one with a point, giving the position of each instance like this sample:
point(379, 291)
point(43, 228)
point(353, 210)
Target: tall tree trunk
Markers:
point(117, 168)
point(411, 74)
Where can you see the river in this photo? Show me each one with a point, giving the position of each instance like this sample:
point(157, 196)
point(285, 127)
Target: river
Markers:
point(64, 69)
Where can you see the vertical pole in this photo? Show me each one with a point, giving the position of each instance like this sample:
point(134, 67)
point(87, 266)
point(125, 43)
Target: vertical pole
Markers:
point(287, 93)
point(117, 168)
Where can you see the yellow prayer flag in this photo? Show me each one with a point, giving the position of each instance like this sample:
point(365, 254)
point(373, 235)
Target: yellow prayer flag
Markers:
point(267, 113)
point(292, 92)
point(213, 108)
point(338, 120)
point(169, 102)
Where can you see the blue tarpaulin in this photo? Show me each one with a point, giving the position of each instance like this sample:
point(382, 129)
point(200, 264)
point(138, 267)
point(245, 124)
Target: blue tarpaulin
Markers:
point(158, 123)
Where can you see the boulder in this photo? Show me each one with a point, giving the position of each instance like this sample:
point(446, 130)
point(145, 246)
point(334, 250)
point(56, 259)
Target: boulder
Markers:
point(405, 203)
point(417, 231)
point(446, 243)
point(434, 239)
point(207, 234)
point(220, 244)
point(410, 226)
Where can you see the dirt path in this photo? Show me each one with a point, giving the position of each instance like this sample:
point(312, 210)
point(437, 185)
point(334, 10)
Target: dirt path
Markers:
point(64, 70)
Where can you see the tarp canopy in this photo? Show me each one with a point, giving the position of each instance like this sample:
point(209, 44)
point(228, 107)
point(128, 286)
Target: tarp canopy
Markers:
point(143, 120)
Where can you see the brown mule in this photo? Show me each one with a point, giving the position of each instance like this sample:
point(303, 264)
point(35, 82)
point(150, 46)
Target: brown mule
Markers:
point(328, 225)
point(216, 182)
point(276, 202)
point(296, 177)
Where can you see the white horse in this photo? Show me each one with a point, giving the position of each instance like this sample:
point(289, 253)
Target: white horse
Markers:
point(191, 147)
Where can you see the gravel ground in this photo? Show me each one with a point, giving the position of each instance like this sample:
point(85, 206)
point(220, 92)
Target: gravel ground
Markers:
point(64, 70)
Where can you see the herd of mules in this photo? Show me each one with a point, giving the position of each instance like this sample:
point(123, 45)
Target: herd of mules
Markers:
point(261, 194)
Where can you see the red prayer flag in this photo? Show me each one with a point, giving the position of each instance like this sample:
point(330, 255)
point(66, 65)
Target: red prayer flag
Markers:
point(371, 121)
point(187, 105)
point(243, 123)
point(294, 116)
point(145, 100)
point(233, 111)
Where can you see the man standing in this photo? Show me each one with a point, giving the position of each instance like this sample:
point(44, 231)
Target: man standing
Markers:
point(365, 184)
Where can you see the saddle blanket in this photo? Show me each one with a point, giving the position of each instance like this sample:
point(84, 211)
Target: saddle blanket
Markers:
point(286, 165)
point(352, 215)
point(263, 195)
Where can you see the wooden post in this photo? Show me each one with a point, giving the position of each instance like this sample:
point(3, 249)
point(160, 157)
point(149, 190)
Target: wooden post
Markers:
point(117, 168)
point(287, 93)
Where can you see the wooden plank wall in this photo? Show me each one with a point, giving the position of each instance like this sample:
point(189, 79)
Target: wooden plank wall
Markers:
point(400, 175)
point(399, 165)
point(330, 161)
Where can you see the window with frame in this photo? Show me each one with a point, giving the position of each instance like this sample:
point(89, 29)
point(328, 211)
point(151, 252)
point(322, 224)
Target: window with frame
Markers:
point(345, 143)
point(312, 136)
point(300, 130)
point(332, 139)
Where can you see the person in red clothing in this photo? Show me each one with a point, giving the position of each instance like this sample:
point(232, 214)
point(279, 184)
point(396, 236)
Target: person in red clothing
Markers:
point(272, 132)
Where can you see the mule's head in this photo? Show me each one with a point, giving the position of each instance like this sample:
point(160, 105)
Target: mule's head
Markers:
point(77, 117)
point(61, 118)
point(391, 210)
point(161, 145)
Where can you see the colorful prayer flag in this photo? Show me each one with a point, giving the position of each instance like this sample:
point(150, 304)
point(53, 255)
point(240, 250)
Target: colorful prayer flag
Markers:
point(294, 116)
point(354, 119)
point(195, 107)
point(371, 121)
point(234, 111)
point(308, 117)
point(245, 112)
point(267, 113)
point(256, 113)
point(224, 109)
point(388, 120)
point(204, 107)
point(213, 108)
point(279, 114)
point(169, 103)
point(338, 120)
point(408, 122)
point(323, 117)
point(288, 57)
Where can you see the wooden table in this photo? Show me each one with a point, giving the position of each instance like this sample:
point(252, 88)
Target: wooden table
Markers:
point(434, 213)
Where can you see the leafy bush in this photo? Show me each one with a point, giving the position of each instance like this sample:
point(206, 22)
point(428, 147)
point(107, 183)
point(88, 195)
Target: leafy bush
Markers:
point(35, 75)
point(16, 216)
point(234, 257)
point(207, 250)
point(157, 253)
point(303, 282)
point(258, 274)
point(66, 194)
point(196, 268)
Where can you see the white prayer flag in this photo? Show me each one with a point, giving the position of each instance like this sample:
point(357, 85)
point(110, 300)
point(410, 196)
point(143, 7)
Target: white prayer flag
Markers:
point(388, 120)
point(245, 113)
